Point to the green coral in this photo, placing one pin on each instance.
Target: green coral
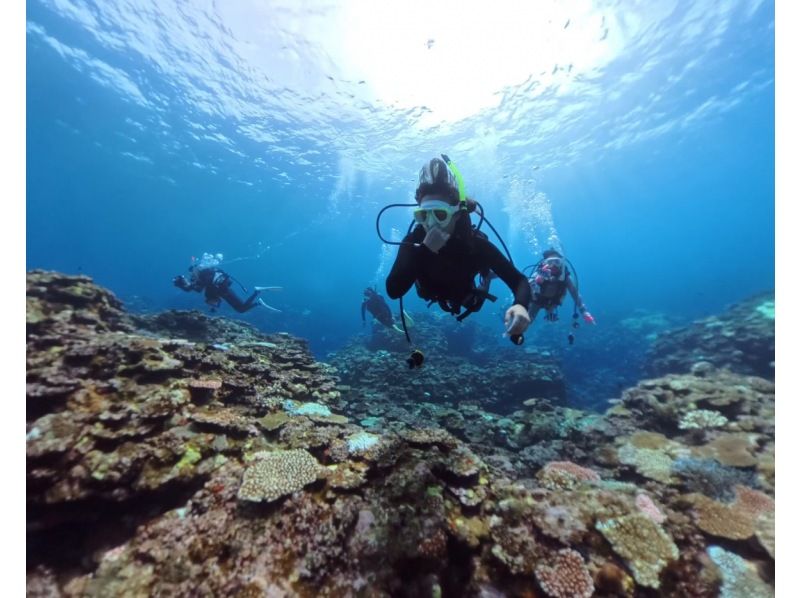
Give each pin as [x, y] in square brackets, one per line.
[190, 456]
[642, 543]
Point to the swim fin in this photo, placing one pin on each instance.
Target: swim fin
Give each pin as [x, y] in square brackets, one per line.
[267, 288]
[269, 307]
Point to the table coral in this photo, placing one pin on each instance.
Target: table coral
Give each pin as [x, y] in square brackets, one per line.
[273, 474]
[722, 520]
[646, 548]
[734, 449]
[565, 475]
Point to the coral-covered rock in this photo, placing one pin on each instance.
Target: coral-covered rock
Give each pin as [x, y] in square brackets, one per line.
[182, 455]
[741, 340]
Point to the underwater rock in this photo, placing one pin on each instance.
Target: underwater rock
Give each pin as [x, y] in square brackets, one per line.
[742, 340]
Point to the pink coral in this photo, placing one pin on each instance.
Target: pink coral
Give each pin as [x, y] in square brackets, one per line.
[752, 501]
[646, 506]
[565, 576]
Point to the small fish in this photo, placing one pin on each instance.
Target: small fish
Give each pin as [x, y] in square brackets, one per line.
[430, 43]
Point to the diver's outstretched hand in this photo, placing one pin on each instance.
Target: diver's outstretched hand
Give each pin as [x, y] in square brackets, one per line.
[517, 320]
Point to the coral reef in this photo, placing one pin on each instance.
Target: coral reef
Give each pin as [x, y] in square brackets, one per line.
[741, 340]
[513, 380]
[181, 455]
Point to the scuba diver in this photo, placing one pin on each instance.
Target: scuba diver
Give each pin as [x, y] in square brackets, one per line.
[444, 253]
[375, 304]
[206, 276]
[549, 283]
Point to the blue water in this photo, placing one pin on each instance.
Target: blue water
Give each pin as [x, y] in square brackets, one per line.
[155, 134]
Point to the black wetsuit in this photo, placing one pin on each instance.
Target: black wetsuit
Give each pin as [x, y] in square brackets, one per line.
[217, 286]
[449, 276]
[375, 304]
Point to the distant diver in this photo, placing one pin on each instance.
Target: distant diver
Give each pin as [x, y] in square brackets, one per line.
[444, 253]
[549, 282]
[216, 283]
[375, 304]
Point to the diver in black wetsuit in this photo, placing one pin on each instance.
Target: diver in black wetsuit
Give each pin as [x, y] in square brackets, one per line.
[443, 254]
[375, 304]
[205, 276]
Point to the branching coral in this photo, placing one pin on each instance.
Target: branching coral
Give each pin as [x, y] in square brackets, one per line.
[708, 477]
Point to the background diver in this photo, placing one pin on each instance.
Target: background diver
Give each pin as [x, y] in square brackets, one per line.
[375, 304]
[443, 254]
[216, 283]
[550, 280]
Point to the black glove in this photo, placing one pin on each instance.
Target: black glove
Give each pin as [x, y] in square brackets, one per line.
[179, 281]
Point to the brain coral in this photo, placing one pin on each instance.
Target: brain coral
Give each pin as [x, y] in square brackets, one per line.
[642, 543]
[273, 474]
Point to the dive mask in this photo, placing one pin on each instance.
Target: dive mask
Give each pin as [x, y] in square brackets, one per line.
[434, 212]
